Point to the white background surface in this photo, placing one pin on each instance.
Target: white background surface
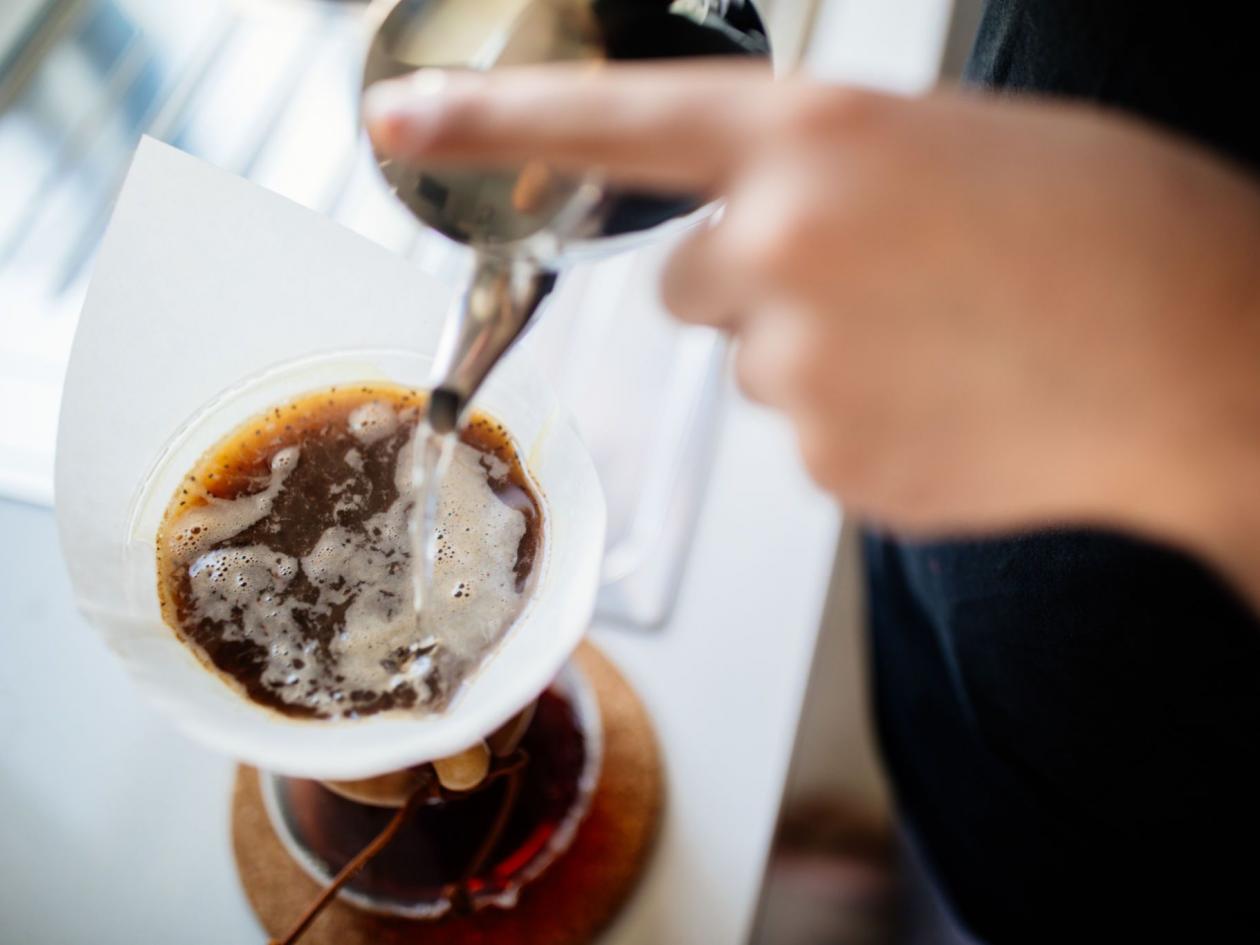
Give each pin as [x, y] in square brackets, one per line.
[116, 828]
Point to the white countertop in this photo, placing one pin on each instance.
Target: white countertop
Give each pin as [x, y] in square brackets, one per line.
[725, 679]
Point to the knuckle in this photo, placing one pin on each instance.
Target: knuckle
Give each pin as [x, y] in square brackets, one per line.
[824, 460]
[816, 110]
[678, 281]
[748, 371]
[674, 296]
[788, 230]
[837, 457]
[771, 245]
[772, 356]
[811, 369]
[691, 287]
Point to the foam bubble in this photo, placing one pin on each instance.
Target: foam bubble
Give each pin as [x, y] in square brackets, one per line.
[220, 519]
[373, 421]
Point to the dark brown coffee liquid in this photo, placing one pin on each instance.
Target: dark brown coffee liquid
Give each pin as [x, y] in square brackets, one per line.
[281, 561]
[439, 846]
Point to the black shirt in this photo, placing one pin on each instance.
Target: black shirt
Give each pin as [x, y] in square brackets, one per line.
[1071, 720]
[1193, 69]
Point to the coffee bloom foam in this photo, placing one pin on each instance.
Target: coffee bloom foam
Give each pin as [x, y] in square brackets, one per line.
[361, 580]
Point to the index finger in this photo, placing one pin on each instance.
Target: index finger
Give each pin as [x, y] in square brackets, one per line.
[677, 126]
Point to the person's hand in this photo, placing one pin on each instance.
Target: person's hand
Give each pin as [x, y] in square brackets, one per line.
[977, 312]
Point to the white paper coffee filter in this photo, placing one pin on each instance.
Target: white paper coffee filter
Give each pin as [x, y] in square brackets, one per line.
[211, 300]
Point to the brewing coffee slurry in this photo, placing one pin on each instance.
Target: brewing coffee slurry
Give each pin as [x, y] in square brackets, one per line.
[284, 559]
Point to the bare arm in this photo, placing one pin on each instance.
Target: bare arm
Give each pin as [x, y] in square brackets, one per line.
[978, 313]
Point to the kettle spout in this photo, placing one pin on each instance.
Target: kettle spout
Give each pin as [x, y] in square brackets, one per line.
[500, 303]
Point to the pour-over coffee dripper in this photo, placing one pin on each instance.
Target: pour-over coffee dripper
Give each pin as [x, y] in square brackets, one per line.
[526, 225]
[212, 301]
[523, 663]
